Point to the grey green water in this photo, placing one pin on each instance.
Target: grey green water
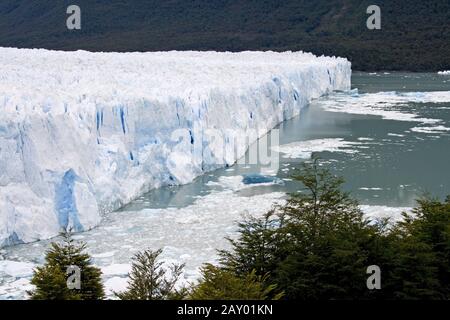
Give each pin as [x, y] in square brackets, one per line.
[390, 141]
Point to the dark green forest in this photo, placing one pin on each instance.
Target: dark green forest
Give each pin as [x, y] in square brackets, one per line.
[415, 34]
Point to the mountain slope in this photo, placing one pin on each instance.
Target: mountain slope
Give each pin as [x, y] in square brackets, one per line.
[415, 34]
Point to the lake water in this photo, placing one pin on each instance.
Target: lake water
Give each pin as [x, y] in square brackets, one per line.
[389, 138]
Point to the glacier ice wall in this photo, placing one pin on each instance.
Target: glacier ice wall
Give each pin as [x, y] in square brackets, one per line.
[82, 134]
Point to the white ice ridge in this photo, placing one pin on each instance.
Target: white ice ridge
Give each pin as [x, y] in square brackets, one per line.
[83, 133]
[444, 73]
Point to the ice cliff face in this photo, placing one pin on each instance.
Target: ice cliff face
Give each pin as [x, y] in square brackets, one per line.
[83, 133]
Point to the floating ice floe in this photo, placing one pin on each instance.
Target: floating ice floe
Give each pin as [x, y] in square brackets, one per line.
[115, 284]
[247, 181]
[305, 149]
[365, 139]
[431, 130]
[380, 212]
[16, 289]
[396, 135]
[260, 179]
[103, 255]
[444, 73]
[116, 269]
[384, 104]
[16, 269]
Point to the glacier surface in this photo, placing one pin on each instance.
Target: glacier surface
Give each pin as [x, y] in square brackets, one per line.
[82, 134]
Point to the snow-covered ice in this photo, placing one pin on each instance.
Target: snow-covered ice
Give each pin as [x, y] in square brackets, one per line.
[116, 269]
[16, 269]
[382, 212]
[237, 183]
[387, 105]
[396, 135]
[444, 73]
[431, 129]
[15, 290]
[305, 149]
[82, 134]
[115, 284]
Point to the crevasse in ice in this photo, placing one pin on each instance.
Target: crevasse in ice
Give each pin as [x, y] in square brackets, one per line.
[82, 134]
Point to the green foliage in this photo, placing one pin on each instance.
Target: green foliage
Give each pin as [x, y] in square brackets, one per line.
[259, 248]
[419, 247]
[318, 246]
[51, 279]
[149, 280]
[221, 284]
[328, 239]
[432, 227]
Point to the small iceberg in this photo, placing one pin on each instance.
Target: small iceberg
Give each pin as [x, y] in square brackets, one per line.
[256, 178]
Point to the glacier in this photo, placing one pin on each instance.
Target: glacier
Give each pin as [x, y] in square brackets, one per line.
[82, 133]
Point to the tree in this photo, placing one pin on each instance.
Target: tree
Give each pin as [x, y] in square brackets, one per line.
[314, 247]
[419, 267]
[432, 226]
[328, 239]
[51, 279]
[221, 284]
[149, 280]
[259, 248]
